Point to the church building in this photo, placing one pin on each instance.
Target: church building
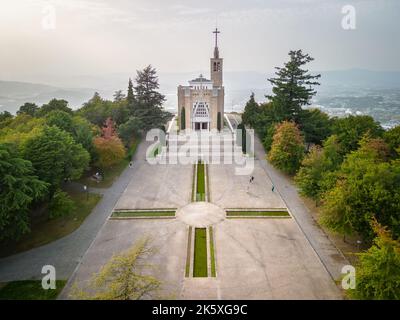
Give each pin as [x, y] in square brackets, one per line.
[201, 103]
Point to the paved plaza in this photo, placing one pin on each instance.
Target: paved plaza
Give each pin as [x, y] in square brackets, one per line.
[256, 258]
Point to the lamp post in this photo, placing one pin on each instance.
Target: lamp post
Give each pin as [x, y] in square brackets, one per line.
[86, 189]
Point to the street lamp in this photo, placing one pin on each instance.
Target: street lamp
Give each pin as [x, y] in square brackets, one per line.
[86, 189]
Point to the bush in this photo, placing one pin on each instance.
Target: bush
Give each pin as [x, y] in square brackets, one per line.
[60, 205]
[378, 270]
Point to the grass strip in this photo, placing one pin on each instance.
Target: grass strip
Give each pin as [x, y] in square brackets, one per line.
[30, 290]
[189, 246]
[200, 253]
[193, 184]
[257, 213]
[127, 214]
[200, 190]
[213, 272]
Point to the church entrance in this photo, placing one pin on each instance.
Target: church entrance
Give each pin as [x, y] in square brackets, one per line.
[201, 116]
[200, 126]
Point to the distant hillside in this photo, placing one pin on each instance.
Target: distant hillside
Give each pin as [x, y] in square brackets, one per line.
[14, 94]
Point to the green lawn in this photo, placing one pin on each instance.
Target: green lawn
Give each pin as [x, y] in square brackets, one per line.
[201, 189]
[189, 247]
[257, 213]
[200, 253]
[30, 290]
[44, 231]
[210, 231]
[127, 214]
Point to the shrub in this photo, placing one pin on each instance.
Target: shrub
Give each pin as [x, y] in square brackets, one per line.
[60, 205]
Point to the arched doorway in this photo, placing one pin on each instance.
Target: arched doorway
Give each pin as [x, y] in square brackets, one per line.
[201, 116]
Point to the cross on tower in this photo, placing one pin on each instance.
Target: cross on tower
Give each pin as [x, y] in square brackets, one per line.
[216, 36]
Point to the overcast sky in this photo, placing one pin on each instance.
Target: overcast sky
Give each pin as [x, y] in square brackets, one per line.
[93, 37]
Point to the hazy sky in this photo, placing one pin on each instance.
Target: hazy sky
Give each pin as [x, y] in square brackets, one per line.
[110, 36]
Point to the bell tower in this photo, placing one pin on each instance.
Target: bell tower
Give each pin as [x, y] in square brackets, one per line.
[216, 63]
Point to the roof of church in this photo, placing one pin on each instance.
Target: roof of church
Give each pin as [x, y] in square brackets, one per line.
[200, 79]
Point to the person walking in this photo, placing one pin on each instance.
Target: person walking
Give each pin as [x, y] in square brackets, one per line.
[250, 182]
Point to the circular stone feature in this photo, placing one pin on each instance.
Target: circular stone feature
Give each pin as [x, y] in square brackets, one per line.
[200, 214]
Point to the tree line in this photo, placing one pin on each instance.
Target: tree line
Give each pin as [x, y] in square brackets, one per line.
[43, 147]
[350, 166]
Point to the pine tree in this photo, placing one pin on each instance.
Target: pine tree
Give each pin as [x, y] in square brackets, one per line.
[251, 112]
[292, 88]
[148, 101]
[130, 98]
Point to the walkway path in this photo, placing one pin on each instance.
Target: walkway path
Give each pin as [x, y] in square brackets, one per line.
[330, 256]
[64, 254]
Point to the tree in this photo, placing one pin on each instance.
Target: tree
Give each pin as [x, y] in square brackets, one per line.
[121, 278]
[392, 138]
[109, 151]
[130, 98]
[378, 270]
[317, 172]
[119, 96]
[268, 138]
[96, 110]
[61, 119]
[251, 112]
[316, 126]
[28, 108]
[5, 118]
[292, 88]
[183, 119]
[55, 156]
[60, 205]
[367, 186]
[148, 101]
[351, 129]
[79, 128]
[287, 148]
[54, 104]
[19, 188]
[128, 130]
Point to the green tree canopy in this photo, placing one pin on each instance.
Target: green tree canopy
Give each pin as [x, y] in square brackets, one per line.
[54, 104]
[96, 110]
[287, 148]
[251, 112]
[316, 125]
[378, 270]
[367, 187]
[28, 108]
[392, 138]
[55, 156]
[317, 172]
[19, 187]
[129, 129]
[351, 129]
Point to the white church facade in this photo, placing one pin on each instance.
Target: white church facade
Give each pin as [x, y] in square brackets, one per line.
[201, 103]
